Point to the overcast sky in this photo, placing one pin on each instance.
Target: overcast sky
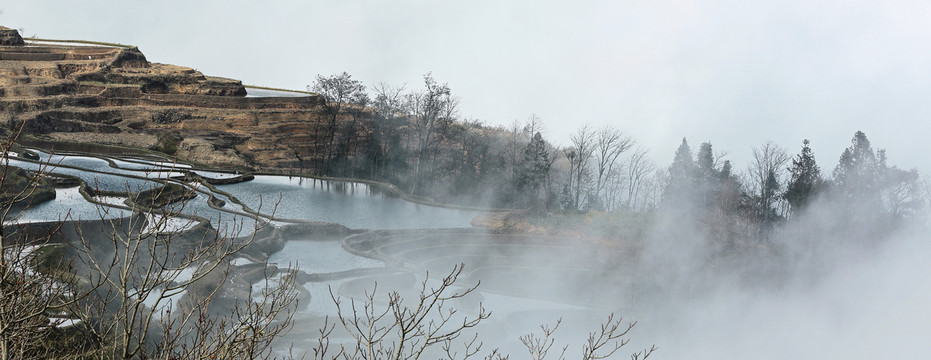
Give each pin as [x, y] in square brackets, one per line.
[734, 73]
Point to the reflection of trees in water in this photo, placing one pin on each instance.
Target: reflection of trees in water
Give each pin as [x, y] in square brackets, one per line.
[509, 253]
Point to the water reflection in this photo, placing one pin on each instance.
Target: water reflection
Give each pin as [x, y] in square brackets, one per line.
[97, 181]
[68, 205]
[354, 205]
[320, 256]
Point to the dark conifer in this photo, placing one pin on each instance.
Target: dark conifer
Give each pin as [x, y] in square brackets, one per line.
[681, 174]
[534, 171]
[805, 179]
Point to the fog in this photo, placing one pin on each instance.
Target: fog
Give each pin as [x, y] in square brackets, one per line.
[820, 286]
[731, 73]
[809, 292]
[828, 298]
[874, 308]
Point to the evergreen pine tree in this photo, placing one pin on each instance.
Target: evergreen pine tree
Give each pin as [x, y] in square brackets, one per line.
[681, 177]
[705, 160]
[706, 176]
[856, 174]
[805, 179]
[858, 187]
[534, 171]
[729, 191]
[770, 192]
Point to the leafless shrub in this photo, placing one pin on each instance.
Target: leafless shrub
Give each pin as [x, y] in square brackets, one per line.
[539, 346]
[401, 331]
[36, 287]
[247, 332]
[398, 331]
[601, 344]
[160, 286]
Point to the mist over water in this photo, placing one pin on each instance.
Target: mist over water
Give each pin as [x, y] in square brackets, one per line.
[809, 291]
[830, 282]
[817, 297]
[827, 283]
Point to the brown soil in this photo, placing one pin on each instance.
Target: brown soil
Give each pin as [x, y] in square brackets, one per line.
[114, 96]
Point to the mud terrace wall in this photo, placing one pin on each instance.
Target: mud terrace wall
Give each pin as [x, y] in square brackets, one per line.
[110, 94]
[10, 37]
[220, 102]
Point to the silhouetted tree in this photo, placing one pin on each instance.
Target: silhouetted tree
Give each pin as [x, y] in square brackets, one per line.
[383, 145]
[610, 143]
[639, 168]
[728, 203]
[534, 171]
[350, 137]
[578, 154]
[903, 193]
[338, 90]
[432, 111]
[681, 178]
[765, 169]
[467, 165]
[805, 179]
[855, 177]
[706, 176]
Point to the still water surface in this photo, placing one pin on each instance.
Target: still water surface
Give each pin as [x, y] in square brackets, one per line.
[353, 205]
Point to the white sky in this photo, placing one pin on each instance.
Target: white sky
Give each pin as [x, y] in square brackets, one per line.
[734, 73]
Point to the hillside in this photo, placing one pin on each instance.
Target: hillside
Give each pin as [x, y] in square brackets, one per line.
[72, 93]
[99, 97]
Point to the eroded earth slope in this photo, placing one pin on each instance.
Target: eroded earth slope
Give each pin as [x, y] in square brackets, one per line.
[74, 94]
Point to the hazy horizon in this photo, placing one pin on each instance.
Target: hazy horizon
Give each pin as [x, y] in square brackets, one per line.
[735, 75]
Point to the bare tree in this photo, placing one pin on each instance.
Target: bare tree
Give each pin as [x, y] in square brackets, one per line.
[28, 298]
[903, 193]
[338, 90]
[539, 346]
[610, 143]
[389, 100]
[609, 339]
[768, 158]
[601, 344]
[122, 289]
[160, 273]
[248, 331]
[35, 283]
[432, 111]
[512, 149]
[403, 331]
[578, 154]
[385, 145]
[533, 125]
[430, 329]
[639, 167]
[765, 174]
[654, 187]
[614, 190]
